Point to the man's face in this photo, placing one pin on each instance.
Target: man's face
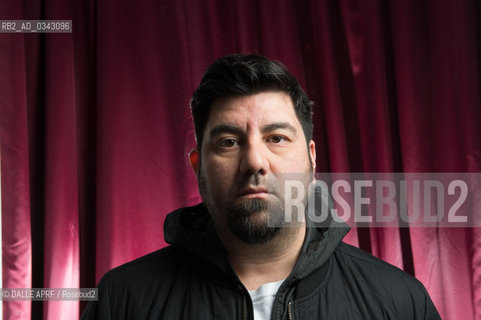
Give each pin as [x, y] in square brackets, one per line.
[248, 141]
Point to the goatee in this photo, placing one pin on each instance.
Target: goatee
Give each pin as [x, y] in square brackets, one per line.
[253, 221]
[254, 230]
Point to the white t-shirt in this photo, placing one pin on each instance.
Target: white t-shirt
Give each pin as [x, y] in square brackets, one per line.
[263, 299]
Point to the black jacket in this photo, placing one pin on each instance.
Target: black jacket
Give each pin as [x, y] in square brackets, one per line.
[192, 279]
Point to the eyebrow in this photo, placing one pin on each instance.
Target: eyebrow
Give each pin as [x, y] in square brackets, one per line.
[233, 129]
[225, 128]
[279, 125]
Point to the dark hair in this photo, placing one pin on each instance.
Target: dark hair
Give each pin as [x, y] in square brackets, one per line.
[237, 75]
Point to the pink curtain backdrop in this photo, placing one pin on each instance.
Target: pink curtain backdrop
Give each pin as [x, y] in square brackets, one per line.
[95, 126]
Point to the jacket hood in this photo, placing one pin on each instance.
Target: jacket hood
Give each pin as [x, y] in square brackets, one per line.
[192, 229]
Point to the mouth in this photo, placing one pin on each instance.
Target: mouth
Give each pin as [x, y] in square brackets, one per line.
[251, 193]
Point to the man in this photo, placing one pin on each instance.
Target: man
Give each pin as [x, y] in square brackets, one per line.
[236, 256]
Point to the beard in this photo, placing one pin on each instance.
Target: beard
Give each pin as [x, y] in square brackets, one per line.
[253, 221]
[250, 220]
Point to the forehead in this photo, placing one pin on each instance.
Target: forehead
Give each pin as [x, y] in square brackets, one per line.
[251, 110]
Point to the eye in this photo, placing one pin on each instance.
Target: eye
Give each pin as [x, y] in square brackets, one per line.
[277, 139]
[227, 143]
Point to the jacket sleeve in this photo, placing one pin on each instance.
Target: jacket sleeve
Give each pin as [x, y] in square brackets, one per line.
[99, 309]
[430, 310]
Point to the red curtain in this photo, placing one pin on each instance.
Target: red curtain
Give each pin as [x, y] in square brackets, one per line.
[95, 125]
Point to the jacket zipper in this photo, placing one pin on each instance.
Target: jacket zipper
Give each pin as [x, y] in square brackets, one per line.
[289, 310]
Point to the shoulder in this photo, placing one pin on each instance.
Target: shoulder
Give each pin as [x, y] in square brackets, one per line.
[146, 280]
[146, 263]
[149, 270]
[371, 268]
[383, 283]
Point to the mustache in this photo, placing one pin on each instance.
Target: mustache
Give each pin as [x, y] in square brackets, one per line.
[257, 182]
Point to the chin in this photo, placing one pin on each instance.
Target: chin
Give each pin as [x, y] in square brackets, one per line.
[259, 217]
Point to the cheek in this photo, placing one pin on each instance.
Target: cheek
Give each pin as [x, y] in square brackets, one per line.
[296, 160]
[217, 174]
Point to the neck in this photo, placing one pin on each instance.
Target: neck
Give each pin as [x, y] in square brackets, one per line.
[272, 261]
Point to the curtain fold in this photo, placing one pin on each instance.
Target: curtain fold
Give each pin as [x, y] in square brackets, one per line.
[95, 126]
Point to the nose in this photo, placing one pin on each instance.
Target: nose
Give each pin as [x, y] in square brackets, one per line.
[254, 159]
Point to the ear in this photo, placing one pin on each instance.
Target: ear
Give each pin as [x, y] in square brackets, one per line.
[194, 159]
[312, 153]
